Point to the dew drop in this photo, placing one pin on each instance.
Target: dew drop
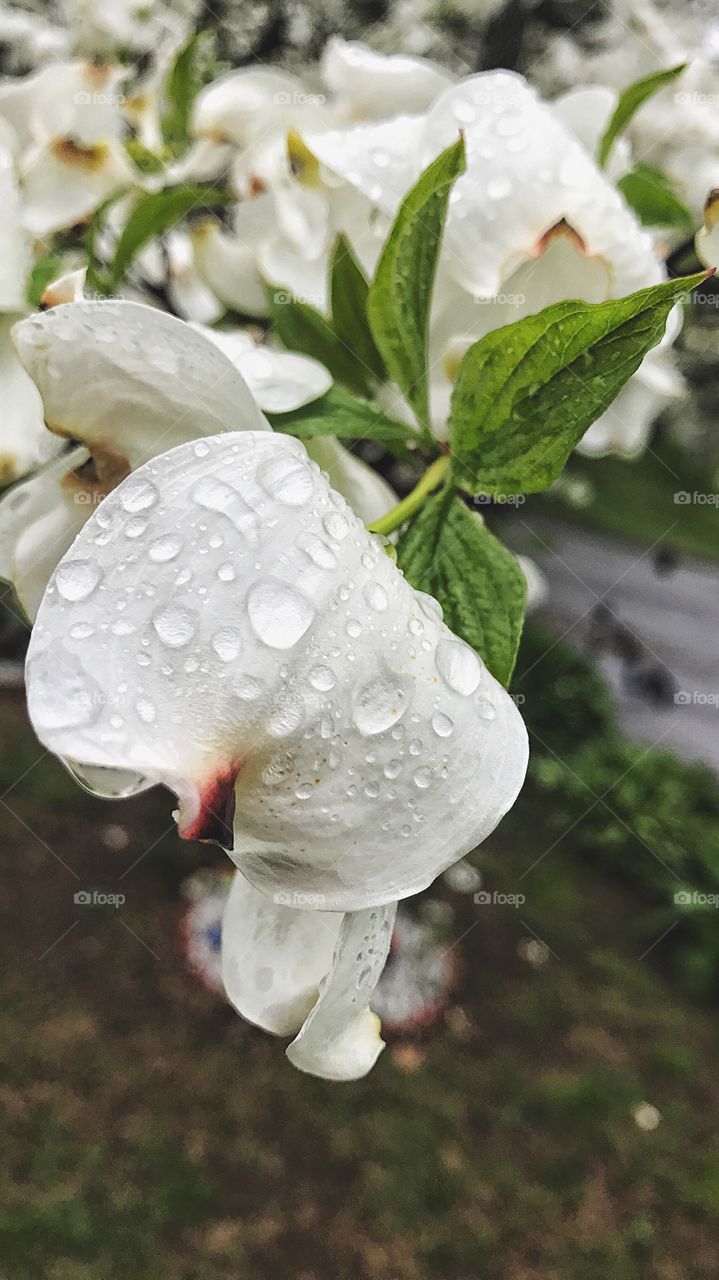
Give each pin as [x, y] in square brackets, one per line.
[226, 573]
[322, 679]
[76, 579]
[287, 479]
[335, 525]
[279, 614]
[146, 710]
[175, 626]
[164, 549]
[442, 725]
[379, 705]
[458, 666]
[227, 643]
[137, 494]
[376, 596]
[422, 778]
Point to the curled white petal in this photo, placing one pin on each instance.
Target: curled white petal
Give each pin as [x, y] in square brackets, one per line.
[367, 85]
[274, 659]
[24, 441]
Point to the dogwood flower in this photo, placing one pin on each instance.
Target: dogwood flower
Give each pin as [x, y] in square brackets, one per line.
[532, 221]
[707, 238]
[125, 382]
[225, 624]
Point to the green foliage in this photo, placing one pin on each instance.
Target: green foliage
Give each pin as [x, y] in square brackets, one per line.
[448, 551]
[152, 217]
[301, 328]
[401, 291]
[526, 393]
[44, 271]
[651, 197]
[339, 413]
[630, 102]
[192, 68]
[349, 291]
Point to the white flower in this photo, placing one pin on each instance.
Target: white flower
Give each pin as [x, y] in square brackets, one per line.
[707, 238]
[225, 624]
[531, 222]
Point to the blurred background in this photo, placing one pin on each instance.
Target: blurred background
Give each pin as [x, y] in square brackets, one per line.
[546, 1108]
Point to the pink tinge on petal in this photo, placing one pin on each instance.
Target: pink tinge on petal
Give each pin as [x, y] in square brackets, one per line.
[212, 819]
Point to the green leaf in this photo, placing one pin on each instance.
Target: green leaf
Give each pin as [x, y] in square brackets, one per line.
[45, 270]
[190, 71]
[630, 102]
[652, 199]
[349, 291]
[449, 552]
[526, 393]
[301, 328]
[338, 413]
[98, 277]
[153, 216]
[401, 291]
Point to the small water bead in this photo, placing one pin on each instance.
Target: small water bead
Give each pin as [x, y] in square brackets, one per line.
[376, 596]
[287, 479]
[322, 679]
[486, 709]
[422, 778]
[458, 666]
[201, 449]
[335, 525]
[416, 747]
[317, 551]
[227, 643]
[77, 579]
[216, 495]
[146, 710]
[353, 628]
[135, 527]
[165, 548]
[137, 494]
[123, 627]
[372, 790]
[143, 659]
[183, 577]
[279, 614]
[393, 769]
[430, 607]
[174, 625]
[442, 724]
[81, 630]
[304, 791]
[226, 573]
[284, 720]
[190, 666]
[405, 831]
[216, 541]
[414, 626]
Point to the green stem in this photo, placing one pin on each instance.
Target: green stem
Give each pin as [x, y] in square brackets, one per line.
[430, 481]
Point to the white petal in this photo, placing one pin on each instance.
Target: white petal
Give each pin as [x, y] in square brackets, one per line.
[369, 85]
[228, 263]
[25, 443]
[15, 250]
[585, 112]
[39, 521]
[537, 588]
[79, 100]
[243, 104]
[380, 160]
[63, 183]
[131, 380]
[274, 957]
[367, 493]
[279, 661]
[341, 1038]
[67, 288]
[525, 175]
[280, 381]
[191, 298]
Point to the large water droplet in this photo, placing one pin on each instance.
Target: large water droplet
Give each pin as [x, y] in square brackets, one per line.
[458, 666]
[165, 548]
[442, 724]
[175, 625]
[322, 679]
[215, 495]
[288, 480]
[138, 494]
[279, 614]
[61, 693]
[335, 525]
[379, 705]
[76, 579]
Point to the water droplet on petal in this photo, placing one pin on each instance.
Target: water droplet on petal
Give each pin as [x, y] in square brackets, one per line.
[76, 579]
[138, 494]
[288, 480]
[422, 778]
[322, 679]
[442, 725]
[146, 710]
[376, 596]
[335, 525]
[227, 643]
[379, 705]
[226, 573]
[458, 666]
[174, 625]
[165, 548]
[279, 614]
